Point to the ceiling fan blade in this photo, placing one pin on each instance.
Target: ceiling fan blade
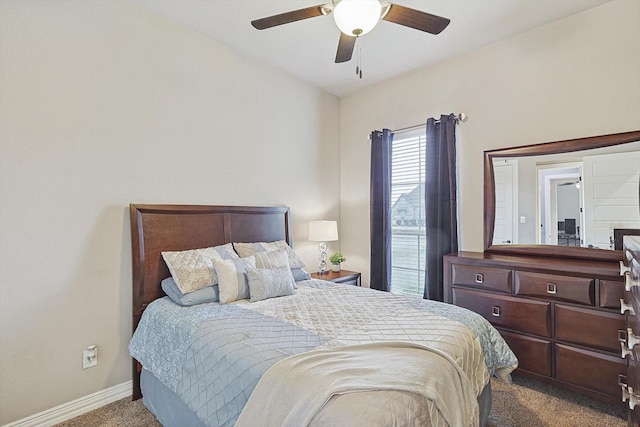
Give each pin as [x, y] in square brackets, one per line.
[345, 48]
[416, 19]
[288, 17]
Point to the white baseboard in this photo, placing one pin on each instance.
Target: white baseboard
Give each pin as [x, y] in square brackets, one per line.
[77, 407]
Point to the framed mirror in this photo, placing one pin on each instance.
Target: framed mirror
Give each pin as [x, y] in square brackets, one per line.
[563, 198]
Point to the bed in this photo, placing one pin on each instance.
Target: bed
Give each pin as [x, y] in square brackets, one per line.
[321, 354]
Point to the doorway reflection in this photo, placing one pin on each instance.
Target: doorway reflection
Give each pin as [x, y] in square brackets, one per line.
[560, 203]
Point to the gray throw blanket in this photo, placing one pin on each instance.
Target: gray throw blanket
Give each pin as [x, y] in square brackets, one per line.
[295, 389]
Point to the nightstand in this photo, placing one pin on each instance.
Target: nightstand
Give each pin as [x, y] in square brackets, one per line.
[345, 277]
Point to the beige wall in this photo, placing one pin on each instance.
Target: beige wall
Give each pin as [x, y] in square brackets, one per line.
[573, 78]
[104, 104]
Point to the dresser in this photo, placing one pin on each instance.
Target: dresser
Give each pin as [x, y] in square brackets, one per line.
[630, 336]
[561, 317]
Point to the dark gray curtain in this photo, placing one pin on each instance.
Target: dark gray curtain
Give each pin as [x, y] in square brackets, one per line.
[440, 201]
[380, 210]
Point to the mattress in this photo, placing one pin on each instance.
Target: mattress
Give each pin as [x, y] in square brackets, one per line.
[212, 356]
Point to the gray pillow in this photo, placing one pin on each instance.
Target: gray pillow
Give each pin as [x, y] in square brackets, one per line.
[267, 283]
[201, 296]
[299, 274]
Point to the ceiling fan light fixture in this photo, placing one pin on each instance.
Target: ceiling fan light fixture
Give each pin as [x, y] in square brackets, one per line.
[357, 17]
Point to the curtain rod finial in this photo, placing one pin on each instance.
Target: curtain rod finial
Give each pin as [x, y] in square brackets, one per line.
[462, 117]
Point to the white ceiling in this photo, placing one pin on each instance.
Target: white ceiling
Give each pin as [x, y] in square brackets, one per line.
[306, 49]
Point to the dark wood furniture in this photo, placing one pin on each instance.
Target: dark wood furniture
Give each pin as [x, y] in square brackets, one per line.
[158, 228]
[343, 276]
[630, 336]
[556, 306]
[559, 316]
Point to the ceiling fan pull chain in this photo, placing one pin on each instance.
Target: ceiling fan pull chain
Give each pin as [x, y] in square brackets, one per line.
[358, 59]
[359, 66]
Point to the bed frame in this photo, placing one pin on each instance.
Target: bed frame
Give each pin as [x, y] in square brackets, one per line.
[158, 228]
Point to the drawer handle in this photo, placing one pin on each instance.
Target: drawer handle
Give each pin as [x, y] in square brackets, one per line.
[625, 392]
[495, 311]
[627, 341]
[624, 350]
[622, 335]
[623, 268]
[552, 288]
[634, 399]
[479, 278]
[622, 380]
[632, 339]
[629, 282]
[626, 307]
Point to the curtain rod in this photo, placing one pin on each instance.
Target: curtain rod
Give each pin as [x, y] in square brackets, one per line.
[460, 117]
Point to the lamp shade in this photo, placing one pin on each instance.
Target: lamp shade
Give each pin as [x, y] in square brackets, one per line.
[323, 231]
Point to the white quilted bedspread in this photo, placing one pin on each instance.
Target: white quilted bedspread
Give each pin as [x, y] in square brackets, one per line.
[350, 316]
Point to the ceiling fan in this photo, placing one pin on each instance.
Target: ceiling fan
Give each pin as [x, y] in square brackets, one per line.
[355, 18]
[576, 183]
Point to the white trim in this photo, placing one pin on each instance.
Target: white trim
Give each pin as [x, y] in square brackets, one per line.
[77, 407]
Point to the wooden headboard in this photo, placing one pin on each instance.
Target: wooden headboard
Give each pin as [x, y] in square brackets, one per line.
[158, 228]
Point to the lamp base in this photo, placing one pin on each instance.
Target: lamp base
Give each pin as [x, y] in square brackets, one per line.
[322, 266]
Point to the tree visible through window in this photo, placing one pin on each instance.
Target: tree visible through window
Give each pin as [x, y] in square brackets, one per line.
[408, 241]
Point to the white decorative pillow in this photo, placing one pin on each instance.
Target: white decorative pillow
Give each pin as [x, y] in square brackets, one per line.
[232, 274]
[193, 269]
[271, 259]
[247, 249]
[267, 283]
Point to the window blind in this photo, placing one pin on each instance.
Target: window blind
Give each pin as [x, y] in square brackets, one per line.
[408, 241]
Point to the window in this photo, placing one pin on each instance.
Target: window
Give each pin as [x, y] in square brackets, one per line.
[408, 241]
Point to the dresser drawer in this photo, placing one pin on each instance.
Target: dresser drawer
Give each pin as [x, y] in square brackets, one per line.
[587, 327]
[533, 354]
[610, 294]
[519, 314]
[564, 288]
[589, 369]
[497, 279]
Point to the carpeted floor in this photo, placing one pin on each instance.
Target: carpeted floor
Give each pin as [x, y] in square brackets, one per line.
[525, 403]
[529, 403]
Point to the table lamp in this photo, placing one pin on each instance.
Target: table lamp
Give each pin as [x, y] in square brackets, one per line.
[323, 231]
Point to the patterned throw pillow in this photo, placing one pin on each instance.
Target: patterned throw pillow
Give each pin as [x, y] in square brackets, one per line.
[267, 283]
[193, 269]
[232, 274]
[247, 249]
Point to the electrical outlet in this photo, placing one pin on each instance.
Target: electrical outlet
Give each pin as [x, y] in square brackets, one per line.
[522, 220]
[90, 357]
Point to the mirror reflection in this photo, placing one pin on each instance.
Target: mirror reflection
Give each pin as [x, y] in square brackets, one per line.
[570, 199]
